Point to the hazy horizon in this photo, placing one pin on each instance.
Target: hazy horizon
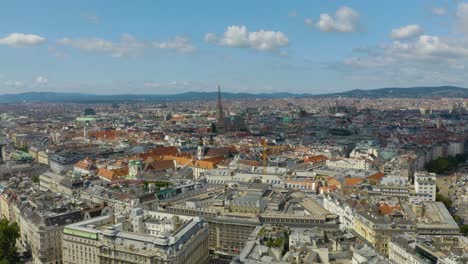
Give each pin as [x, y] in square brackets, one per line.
[213, 91]
[150, 47]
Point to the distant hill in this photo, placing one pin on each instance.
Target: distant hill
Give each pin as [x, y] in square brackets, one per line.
[413, 92]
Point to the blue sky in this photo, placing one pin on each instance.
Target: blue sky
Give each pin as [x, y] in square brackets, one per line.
[150, 46]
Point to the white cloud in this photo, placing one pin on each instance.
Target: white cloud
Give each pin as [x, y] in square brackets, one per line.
[178, 43]
[309, 22]
[211, 38]
[127, 45]
[462, 17]
[432, 47]
[14, 84]
[22, 40]
[346, 20]
[40, 80]
[152, 85]
[424, 59]
[240, 37]
[91, 18]
[179, 83]
[292, 13]
[424, 49]
[439, 11]
[406, 32]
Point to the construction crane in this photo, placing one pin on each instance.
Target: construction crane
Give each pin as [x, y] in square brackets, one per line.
[265, 147]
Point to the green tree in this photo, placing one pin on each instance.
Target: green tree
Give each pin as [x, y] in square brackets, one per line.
[441, 165]
[460, 158]
[458, 219]
[24, 149]
[35, 179]
[464, 230]
[89, 111]
[447, 202]
[9, 233]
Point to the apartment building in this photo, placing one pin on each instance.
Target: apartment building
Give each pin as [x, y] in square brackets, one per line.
[140, 237]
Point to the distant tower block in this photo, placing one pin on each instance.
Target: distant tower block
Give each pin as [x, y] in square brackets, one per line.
[219, 111]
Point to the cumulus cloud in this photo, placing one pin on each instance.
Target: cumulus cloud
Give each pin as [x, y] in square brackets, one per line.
[406, 32]
[40, 80]
[425, 58]
[126, 46]
[427, 46]
[439, 11]
[241, 37]
[462, 17]
[22, 40]
[346, 20]
[178, 43]
[424, 49]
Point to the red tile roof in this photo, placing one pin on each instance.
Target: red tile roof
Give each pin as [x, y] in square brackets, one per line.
[352, 181]
[112, 174]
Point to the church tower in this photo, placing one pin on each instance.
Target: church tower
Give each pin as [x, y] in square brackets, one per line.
[219, 111]
[200, 149]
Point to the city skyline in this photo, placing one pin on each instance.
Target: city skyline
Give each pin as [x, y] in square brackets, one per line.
[167, 48]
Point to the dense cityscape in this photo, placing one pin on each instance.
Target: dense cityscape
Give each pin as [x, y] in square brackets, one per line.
[289, 180]
[234, 132]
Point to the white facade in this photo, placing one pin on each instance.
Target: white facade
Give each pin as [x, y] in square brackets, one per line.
[398, 254]
[358, 164]
[335, 205]
[274, 180]
[425, 183]
[143, 237]
[394, 180]
[43, 241]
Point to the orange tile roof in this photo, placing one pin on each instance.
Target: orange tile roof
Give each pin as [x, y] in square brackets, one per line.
[112, 174]
[161, 165]
[180, 160]
[84, 165]
[377, 176]
[158, 153]
[352, 181]
[386, 209]
[161, 151]
[204, 164]
[315, 159]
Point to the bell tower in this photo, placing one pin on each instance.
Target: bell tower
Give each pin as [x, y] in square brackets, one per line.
[200, 149]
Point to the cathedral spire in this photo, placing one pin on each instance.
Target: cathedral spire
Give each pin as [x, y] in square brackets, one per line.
[219, 110]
